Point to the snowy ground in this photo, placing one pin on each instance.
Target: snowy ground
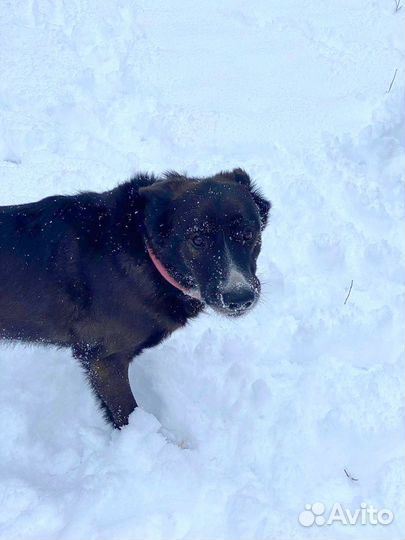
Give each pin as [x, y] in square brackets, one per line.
[242, 423]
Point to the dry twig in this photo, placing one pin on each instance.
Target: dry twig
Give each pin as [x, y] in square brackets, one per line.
[350, 476]
[392, 82]
[348, 294]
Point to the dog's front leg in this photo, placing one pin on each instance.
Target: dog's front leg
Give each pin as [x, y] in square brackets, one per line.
[109, 379]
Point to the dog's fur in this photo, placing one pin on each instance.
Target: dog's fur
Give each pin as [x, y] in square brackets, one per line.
[76, 271]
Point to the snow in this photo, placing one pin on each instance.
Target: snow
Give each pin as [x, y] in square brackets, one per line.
[242, 422]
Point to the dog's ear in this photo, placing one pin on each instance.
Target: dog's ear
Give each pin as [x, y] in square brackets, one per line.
[263, 205]
[162, 193]
[157, 201]
[241, 177]
[156, 194]
[238, 175]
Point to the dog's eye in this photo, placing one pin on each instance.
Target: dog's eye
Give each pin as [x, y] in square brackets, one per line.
[198, 240]
[247, 235]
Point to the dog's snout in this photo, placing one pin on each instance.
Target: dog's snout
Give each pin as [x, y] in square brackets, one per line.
[238, 299]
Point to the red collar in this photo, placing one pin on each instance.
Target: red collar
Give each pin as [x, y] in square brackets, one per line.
[164, 273]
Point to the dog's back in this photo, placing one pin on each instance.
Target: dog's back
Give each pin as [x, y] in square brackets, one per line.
[32, 239]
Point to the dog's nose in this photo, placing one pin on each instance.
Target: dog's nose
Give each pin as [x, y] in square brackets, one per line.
[238, 299]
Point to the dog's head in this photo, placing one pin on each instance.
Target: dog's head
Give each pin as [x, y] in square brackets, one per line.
[206, 234]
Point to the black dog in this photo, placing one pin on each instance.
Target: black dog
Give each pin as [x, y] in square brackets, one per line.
[110, 274]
